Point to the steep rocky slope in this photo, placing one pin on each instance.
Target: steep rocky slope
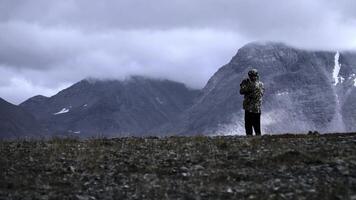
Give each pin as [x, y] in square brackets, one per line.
[305, 90]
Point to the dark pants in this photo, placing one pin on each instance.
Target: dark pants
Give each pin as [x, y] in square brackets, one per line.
[252, 120]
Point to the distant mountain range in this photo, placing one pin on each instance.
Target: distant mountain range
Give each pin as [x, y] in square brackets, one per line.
[132, 107]
[305, 90]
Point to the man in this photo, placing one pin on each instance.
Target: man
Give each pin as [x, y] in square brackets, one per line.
[253, 90]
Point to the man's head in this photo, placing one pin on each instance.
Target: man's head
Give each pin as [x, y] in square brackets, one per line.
[253, 74]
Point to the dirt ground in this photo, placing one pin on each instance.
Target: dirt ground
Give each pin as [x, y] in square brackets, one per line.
[226, 167]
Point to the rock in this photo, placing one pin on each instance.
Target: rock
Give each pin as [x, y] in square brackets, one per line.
[71, 169]
[313, 133]
[198, 167]
[229, 190]
[85, 197]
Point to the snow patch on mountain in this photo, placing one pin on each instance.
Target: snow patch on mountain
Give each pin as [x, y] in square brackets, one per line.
[64, 110]
[159, 100]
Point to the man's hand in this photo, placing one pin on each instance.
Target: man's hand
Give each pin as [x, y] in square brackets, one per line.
[245, 82]
[244, 89]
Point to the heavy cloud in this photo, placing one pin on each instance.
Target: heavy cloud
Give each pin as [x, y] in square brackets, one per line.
[46, 45]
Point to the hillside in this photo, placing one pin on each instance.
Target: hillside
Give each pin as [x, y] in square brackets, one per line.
[94, 107]
[16, 122]
[267, 167]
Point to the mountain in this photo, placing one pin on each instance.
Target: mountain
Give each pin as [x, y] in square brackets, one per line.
[16, 122]
[305, 90]
[91, 107]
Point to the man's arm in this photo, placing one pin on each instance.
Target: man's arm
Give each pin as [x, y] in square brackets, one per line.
[244, 89]
[262, 88]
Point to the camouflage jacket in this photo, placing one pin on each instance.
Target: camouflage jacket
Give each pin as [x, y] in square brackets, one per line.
[253, 92]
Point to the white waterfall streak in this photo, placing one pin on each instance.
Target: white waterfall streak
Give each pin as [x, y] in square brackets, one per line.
[337, 124]
[336, 68]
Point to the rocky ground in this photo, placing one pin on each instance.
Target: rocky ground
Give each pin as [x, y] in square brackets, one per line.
[267, 167]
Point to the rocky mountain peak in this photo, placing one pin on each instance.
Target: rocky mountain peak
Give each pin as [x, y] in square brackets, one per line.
[300, 92]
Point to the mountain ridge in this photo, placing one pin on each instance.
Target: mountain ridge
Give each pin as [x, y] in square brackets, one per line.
[305, 90]
[112, 107]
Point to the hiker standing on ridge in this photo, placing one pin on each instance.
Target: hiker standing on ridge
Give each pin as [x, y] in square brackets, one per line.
[253, 90]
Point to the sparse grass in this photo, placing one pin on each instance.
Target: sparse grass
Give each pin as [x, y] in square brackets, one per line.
[267, 167]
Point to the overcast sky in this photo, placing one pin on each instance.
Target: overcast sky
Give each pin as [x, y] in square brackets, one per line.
[47, 45]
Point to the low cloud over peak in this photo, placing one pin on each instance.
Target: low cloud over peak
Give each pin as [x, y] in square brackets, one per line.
[47, 45]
